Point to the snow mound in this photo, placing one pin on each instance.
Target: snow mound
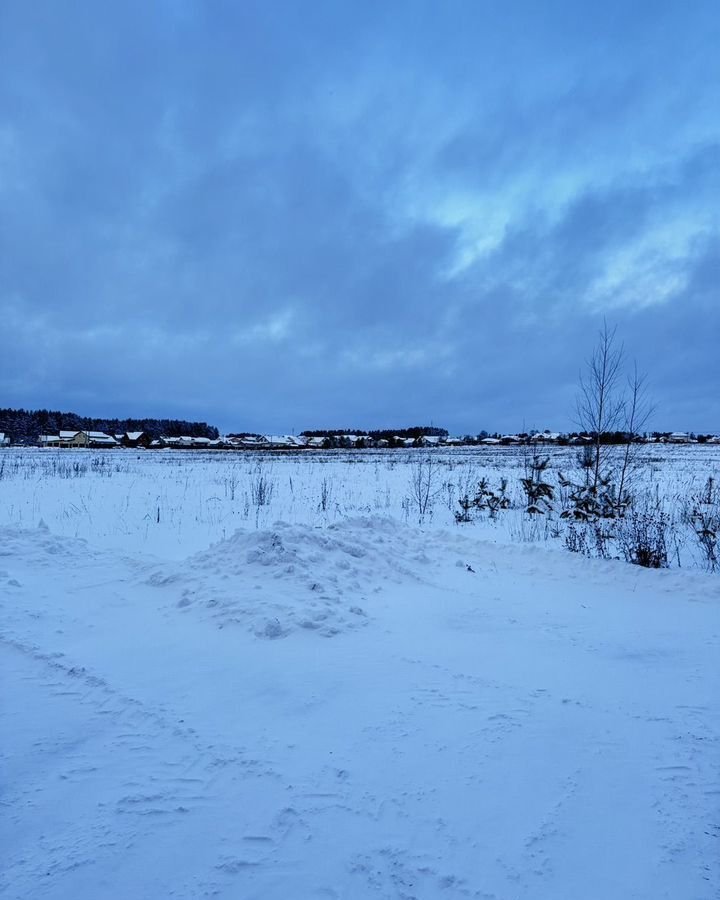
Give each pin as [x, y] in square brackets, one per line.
[41, 547]
[276, 581]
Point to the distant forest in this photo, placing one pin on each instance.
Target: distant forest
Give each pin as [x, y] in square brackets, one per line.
[23, 426]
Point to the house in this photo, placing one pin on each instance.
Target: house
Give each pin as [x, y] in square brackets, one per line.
[134, 439]
[246, 442]
[284, 441]
[549, 437]
[679, 437]
[85, 439]
[4, 439]
[50, 440]
[97, 439]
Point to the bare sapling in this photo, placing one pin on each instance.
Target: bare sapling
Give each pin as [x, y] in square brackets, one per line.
[424, 477]
[638, 410]
[599, 406]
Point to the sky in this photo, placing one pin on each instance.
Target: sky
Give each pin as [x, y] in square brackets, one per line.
[273, 216]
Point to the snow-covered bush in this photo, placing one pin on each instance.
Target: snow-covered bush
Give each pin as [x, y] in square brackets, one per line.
[643, 538]
[539, 493]
[484, 499]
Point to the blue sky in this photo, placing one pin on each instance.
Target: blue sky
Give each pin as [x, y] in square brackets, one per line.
[277, 216]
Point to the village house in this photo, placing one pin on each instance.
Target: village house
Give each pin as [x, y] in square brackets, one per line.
[134, 439]
[546, 437]
[77, 439]
[284, 442]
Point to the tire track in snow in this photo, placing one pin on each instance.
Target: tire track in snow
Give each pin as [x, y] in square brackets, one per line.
[108, 776]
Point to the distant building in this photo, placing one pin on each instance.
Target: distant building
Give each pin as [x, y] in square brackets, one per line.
[549, 437]
[134, 439]
[284, 441]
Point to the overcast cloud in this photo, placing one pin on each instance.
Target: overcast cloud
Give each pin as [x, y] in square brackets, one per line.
[277, 216]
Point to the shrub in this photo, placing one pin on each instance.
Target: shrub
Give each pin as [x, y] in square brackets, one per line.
[704, 517]
[539, 493]
[485, 499]
[642, 537]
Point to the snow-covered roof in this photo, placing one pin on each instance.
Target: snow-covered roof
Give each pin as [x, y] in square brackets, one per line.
[133, 435]
[247, 441]
[68, 435]
[546, 436]
[284, 440]
[96, 437]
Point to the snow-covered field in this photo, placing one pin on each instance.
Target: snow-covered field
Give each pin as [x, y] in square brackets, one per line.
[327, 695]
[175, 502]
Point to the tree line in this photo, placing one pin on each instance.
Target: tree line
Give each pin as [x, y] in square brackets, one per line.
[23, 426]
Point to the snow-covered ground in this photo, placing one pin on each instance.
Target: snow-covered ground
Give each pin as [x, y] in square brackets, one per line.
[176, 502]
[345, 705]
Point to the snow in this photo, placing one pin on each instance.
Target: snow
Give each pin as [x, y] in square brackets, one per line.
[352, 707]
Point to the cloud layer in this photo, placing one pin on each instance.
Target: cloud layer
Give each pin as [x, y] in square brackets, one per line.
[279, 215]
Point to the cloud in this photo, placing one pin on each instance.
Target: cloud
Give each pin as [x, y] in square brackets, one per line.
[271, 215]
